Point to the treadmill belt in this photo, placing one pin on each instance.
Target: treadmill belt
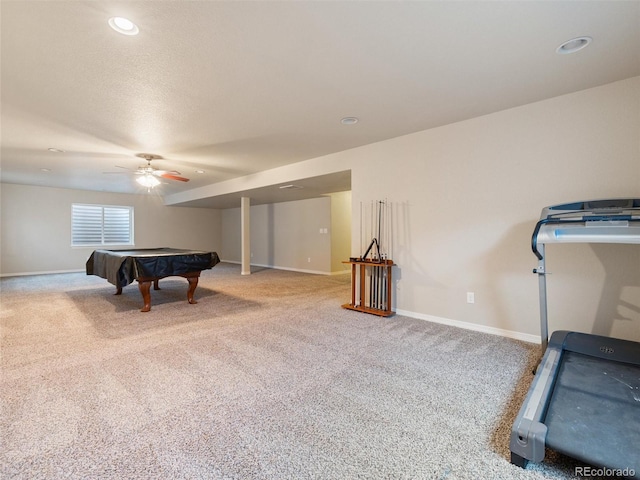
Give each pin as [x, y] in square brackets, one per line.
[594, 412]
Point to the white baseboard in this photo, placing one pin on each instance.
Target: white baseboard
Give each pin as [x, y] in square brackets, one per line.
[525, 337]
[341, 272]
[49, 272]
[315, 272]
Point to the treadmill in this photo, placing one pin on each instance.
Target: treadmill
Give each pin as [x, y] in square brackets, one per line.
[584, 401]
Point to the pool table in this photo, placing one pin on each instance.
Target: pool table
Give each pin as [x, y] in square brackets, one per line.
[149, 265]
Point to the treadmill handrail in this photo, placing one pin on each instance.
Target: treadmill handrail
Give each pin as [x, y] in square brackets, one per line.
[584, 221]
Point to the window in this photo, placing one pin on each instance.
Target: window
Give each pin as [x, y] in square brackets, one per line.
[101, 225]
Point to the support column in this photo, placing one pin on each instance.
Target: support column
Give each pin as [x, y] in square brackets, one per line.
[245, 220]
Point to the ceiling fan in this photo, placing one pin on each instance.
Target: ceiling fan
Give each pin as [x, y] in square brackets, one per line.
[147, 173]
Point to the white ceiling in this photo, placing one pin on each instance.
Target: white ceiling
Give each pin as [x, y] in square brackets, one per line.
[234, 87]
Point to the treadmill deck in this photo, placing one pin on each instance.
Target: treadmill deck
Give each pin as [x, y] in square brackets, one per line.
[594, 412]
[584, 402]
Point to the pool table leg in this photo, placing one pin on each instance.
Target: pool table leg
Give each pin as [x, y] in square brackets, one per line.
[144, 287]
[193, 283]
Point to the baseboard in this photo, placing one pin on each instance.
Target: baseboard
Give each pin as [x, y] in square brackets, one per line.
[49, 272]
[341, 272]
[525, 337]
[315, 272]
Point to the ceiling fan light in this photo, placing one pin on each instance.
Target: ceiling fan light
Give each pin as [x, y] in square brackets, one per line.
[148, 181]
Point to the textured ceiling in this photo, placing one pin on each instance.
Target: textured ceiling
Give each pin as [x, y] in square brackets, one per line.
[234, 88]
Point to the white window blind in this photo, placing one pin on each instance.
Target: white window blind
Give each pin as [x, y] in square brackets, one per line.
[101, 225]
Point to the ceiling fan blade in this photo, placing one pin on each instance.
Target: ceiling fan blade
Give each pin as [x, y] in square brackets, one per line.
[174, 177]
[127, 171]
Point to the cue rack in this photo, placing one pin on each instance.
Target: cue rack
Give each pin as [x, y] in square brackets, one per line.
[371, 282]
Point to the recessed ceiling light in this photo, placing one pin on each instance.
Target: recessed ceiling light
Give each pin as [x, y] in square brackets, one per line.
[55, 150]
[573, 45]
[123, 25]
[349, 120]
[199, 171]
[45, 170]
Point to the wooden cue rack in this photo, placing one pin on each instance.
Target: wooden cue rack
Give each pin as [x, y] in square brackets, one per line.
[371, 286]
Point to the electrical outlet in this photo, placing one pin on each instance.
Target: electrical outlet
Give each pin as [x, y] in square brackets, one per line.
[309, 259]
[471, 297]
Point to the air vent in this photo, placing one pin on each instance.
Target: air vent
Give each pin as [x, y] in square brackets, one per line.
[290, 187]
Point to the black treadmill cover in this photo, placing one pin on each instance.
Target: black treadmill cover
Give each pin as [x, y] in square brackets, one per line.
[122, 267]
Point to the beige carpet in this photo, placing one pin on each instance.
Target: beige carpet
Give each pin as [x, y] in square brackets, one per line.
[265, 378]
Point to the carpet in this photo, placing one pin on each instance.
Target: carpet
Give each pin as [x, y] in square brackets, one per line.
[266, 377]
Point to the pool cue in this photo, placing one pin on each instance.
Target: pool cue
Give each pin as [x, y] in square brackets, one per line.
[370, 287]
[375, 298]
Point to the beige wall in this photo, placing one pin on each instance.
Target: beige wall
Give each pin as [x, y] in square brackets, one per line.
[36, 227]
[283, 235]
[466, 198]
[231, 250]
[340, 231]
